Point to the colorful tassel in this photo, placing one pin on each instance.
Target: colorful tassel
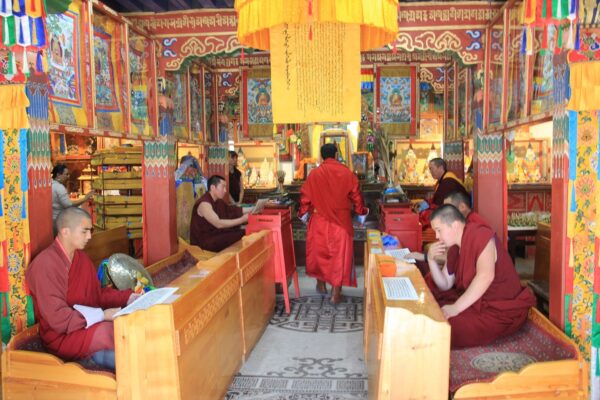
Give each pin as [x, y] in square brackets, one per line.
[570, 36]
[524, 41]
[559, 40]
[545, 37]
[310, 32]
[577, 45]
[38, 63]
[8, 34]
[25, 65]
[242, 56]
[9, 68]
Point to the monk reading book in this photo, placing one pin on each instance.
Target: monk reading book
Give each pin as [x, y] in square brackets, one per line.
[74, 312]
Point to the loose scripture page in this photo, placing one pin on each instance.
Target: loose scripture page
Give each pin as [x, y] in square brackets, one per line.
[156, 296]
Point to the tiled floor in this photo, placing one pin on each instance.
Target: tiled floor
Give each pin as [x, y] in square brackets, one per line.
[315, 352]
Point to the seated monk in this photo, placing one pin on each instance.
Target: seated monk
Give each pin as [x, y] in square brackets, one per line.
[75, 314]
[446, 183]
[215, 224]
[480, 292]
[462, 201]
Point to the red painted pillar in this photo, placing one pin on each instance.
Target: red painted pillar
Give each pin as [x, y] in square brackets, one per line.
[39, 166]
[159, 199]
[490, 177]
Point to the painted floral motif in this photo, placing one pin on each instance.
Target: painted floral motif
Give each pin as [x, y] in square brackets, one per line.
[583, 218]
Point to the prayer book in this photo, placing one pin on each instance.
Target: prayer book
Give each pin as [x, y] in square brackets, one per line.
[147, 300]
[400, 254]
[399, 288]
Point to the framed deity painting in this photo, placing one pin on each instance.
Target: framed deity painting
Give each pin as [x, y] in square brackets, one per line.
[396, 100]
[68, 79]
[110, 80]
[142, 83]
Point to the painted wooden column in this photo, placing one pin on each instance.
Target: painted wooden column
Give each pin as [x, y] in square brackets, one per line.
[490, 190]
[159, 197]
[560, 172]
[39, 164]
[454, 157]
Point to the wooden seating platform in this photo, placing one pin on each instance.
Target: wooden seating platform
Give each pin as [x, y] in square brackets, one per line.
[169, 351]
[406, 343]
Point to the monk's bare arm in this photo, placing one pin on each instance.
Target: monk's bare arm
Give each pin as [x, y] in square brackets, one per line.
[442, 279]
[205, 210]
[484, 276]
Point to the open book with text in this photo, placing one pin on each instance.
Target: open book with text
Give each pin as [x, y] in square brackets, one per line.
[147, 300]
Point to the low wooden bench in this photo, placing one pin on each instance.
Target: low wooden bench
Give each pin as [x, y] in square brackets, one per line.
[407, 343]
[188, 349]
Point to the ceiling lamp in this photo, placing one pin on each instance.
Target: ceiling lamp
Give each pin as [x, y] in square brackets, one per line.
[315, 50]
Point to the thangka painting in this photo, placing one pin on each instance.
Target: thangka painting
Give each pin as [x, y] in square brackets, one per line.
[476, 82]
[139, 80]
[177, 87]
[68, 89]
[210, 111]
[109, 70]
[450, 131]
[462, 103]
[396, 100]
[495, 75]
[543, 71]
[367, 87]
[258, 105]
[196, 103]
[516, 70]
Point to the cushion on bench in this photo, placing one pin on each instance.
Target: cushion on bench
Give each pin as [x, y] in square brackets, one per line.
[529, 345]
[34, 343]
[171, 272]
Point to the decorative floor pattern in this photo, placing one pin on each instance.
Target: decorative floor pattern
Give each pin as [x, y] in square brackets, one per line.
[316, 313]
[311, 378]
[314, 353]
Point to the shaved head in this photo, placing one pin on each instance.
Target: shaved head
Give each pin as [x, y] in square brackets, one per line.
[71, 217]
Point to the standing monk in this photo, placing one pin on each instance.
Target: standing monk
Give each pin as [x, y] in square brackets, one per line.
[74, 312]
[480, 294]
[328, 195]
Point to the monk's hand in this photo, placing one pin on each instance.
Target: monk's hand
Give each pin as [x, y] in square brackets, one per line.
[133, 297]
[449, 311]
[436, 249]
[109, 313]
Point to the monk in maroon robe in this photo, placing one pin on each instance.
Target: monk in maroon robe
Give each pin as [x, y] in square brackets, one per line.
[328, 196]
[74, 312]
[447, 183]
[215, 225]
[480, 293]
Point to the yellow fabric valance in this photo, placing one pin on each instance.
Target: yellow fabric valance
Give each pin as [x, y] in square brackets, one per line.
[378, 19]
[13, 113]
[585, 86]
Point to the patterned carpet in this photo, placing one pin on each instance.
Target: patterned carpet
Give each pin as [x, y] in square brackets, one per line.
[315, 352]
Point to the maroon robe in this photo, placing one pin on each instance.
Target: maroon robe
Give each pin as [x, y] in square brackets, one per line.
[504, 306]
[57, 284]
[447, 184]
[205, 234]
[329, 194]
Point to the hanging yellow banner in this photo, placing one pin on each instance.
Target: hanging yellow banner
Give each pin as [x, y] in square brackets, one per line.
[315, 72]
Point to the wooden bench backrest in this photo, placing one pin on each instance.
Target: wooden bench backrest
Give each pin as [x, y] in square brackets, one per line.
[106, 243]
